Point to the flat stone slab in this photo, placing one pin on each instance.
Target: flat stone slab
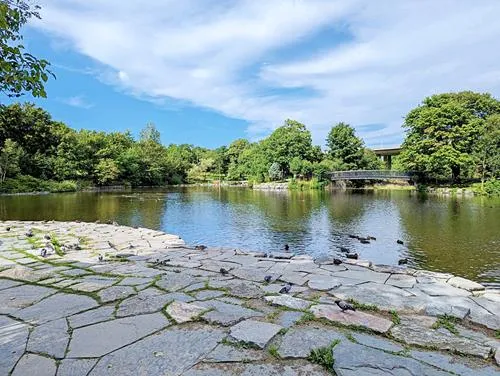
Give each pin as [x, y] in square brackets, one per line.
[147, 301]
[258, 369]
[356, 318]
[13, 337]
[417, 330]
[441, 289]
[323, 283]
[170, 352]
[225, 354]
[55, 307]
[16, 298]
[75, 367]
[51, 339]
[377, 342]
[465, 284]
[352, 359]
[88, 342]
[115, 293]
[94, 316]
[32, 364]
[183, 312]
[208, 294]
[288, 301]
[253, 332]
[226, 314]
[288, 319]
[298, 342]
[401, 280]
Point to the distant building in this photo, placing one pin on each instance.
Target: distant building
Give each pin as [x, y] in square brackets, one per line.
[386, 155]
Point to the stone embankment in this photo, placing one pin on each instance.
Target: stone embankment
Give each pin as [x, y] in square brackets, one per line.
[85, 299]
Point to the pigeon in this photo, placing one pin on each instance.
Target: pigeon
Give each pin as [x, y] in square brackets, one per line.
[344, 249]
[29, 233]
[400, 242]
[200, 247]
[353, 256]
[46, 237]
[403, 261]
[371, 237]
[43, 252]
[287, 247]
[8, 229]
[286, 289]
[100, 257]
[115, 223]
[223, 271]
[337, 261]
[353, 236]
[364, 241]
[344, 306]
[268, 278]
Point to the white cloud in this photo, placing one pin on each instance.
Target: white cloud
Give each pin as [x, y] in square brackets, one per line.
[223, 55]
[77, 101]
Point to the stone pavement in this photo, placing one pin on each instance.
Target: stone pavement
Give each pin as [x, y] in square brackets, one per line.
[115, 300]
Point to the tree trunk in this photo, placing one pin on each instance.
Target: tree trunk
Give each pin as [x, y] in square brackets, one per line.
[455, 173]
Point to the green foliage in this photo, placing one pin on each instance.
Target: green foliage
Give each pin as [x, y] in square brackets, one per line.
[447, 322]
[395, 317]
[443, 134]
[20, 71]
[275, 172]
[106, 171]
[324, 356]
[273, 351]
[343, 145]
[490, 187]
[363, 306]
[150, 134]
[24, 183]
[10, 156]
[487, 149]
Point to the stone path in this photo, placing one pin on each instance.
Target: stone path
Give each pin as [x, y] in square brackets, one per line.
[115, 300]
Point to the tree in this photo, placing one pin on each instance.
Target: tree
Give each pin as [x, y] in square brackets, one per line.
[150, 134]
[487, 150]
[441, 134]
[10, 155]
[343, 145]
[20, 71]
[289, 141]
[106, 171]
[275, 172]
[296, 166]
[370, 161]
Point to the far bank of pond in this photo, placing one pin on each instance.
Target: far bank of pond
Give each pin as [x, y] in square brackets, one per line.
[443, 233]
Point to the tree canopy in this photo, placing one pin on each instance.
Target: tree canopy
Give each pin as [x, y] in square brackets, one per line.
[20, 71]
[442, 134]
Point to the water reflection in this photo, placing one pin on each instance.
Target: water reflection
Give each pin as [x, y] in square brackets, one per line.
[446, 234]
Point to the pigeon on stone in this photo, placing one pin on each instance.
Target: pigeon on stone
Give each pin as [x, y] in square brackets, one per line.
[337, 261]
[200, 247]
[364, 241]
[223, 271]
[400, 242]
[43, 252]
[268, 278]
[46, 237]
[115, 223]
[353, 236]
[344, 249]
[8, 229]
[344, 306]
[371, 237]
[100, 257]
[29, 233]
[403, 261]
[287, 247]
[353, 256]
[286, 289]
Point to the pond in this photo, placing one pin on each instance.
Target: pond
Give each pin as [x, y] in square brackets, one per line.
[447, 234]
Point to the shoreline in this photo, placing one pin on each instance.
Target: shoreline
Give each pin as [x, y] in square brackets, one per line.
[192, 296]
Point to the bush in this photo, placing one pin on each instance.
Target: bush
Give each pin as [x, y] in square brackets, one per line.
[491, 187]
[25, 184]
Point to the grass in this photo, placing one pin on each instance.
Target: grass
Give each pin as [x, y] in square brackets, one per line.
[497, 334]
[324, 356]
[447, 322]
[362, 306]
[273, 351]
[306, 317]
[395, 317]
[57, 245]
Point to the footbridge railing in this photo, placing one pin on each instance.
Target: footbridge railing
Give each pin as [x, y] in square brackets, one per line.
[369, 175]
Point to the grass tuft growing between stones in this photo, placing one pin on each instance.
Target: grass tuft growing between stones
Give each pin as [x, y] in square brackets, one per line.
[497, 334]
[306, 317]
[447, 322]
[324, 356]
[362, 306]
[395, 317]
[273, 351]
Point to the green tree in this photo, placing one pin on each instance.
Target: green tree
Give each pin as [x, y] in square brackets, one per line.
[487, 149]
[296, 166]
[10, 156]
[275, 172]
[288, 141]
[106, 171]
[20, 71]
[150, 134]
[370, 161]
[441, 134]
[343, 145]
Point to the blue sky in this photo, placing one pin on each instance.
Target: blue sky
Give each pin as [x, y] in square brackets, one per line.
[207, 72]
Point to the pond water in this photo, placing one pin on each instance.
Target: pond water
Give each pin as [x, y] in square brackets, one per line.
[449, 234]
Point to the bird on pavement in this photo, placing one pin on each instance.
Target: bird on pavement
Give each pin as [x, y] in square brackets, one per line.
[8, 229]
[100, 257]
[353, 256]
[403, 261]
[268, 278]
[46, 237]
[344, 306]
[43, 252]
[29, 233]
[286, 289]
[344, 249]
[223, 271]
[287, 247]
[337, 261]
[400, 242]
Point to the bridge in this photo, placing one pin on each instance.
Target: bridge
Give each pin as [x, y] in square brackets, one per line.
[369, 175]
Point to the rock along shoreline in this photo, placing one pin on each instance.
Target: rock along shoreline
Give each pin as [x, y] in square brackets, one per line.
[95, 299]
